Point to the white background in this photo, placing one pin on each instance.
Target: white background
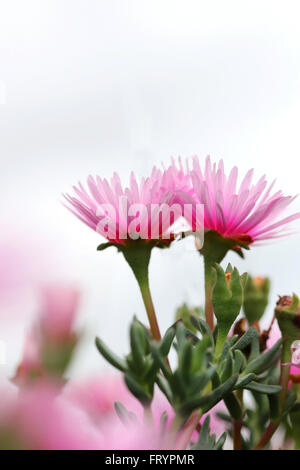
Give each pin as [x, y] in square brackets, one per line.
[98, 86]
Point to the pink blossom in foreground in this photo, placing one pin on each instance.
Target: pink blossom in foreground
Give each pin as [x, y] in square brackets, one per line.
[248, 213]
[98, 394]
[52, 333]
[41, 419]
[59, 305]
[30, 366]
[119, 213]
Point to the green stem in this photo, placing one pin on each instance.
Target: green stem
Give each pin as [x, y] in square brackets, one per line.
[285, 370]
[209, 313]
[146, 294]
[284, 381]
[138, 258]
[221, 338]
[237, 424]
[268, 434]
[237, 436]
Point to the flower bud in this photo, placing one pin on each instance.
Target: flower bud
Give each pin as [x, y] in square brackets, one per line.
[184, 313]
[256, 296]
[287, 312]
[227, 301]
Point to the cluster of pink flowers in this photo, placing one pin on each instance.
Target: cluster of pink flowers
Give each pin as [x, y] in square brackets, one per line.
[248, 213]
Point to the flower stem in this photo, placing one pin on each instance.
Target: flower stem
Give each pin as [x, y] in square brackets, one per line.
[284, 381]
[285, 370]
[209, 313]
[146, 294]
[237, 436]
[148, 416]
[237, 424]
[268, 434]
[138, 258]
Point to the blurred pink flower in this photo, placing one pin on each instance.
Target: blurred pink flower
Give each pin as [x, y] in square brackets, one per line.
[98, 394]
[106, 208]
[30, 365]
[41, 419]
[52, 337]
[58, 309]
[248, 213]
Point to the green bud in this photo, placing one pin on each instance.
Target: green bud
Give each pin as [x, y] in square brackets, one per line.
[184, 313]
[227, 299]
[287, 312]
[256, 296]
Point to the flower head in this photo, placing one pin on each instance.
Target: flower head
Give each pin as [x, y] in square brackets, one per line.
[140, 211]
[248, 213]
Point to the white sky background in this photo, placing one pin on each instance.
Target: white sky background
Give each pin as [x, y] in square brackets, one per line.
[102, 86]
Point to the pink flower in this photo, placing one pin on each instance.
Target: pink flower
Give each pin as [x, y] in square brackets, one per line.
[248, 213]
[58, 311]
[41, 419]
[97, 396]
[30, 366]
[38, 419]
[49, 344]
[137, 211]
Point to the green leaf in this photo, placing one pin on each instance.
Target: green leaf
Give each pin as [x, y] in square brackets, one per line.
[246, 339]
[110, 356]
[220, 442]
[185, 360]
[144, 397]
[220, 392]
[159, 359]
[245, 380]
[263, 388]
[206, 402]
[202, 327]
[167, 341]
[262, 362]
[138, 345]
[165, 388]
[228, 367]
[103, 246]
[239, 361]
[233, 406]
[199, 382]
[207, 441]
[124, 415]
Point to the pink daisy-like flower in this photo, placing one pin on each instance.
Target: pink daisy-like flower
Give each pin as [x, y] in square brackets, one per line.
[138, 211]
[248, 213]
